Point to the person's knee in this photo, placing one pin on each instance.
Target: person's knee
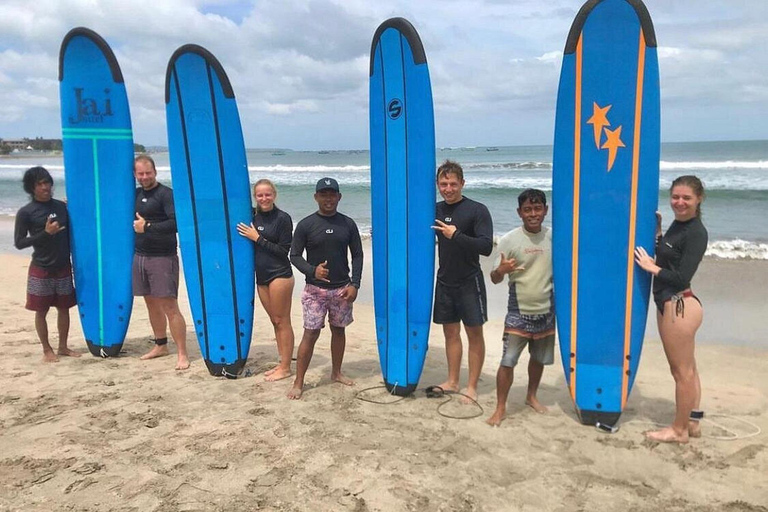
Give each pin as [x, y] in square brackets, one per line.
[683, 372]
[279, 321]
[338, 331]
[475, 335]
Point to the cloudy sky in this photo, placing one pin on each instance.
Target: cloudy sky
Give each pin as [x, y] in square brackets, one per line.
[300, 67]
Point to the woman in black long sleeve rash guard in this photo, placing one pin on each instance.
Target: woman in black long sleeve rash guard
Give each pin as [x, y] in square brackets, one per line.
[679, 311]
[272, 232]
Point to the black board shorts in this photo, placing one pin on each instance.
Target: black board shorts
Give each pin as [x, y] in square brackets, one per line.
[466, 302]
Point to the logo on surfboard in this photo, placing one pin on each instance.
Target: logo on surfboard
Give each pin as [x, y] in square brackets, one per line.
[395, 108]
[601, 124]
[89, 110]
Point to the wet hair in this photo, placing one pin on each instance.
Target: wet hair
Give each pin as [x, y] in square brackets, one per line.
[147, 159]
[264, 181]
[450, 167]
[695, 184]
[533, 195]
[32, 176]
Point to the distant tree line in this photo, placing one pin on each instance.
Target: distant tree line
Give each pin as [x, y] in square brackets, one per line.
[41, 144]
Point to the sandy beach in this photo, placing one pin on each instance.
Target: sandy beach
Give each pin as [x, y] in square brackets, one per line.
[130, 435]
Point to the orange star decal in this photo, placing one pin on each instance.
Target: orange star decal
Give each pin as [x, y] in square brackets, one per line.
[599, 120]
[612, 144]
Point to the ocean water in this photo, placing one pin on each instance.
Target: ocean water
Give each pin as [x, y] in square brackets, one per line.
[735, 175]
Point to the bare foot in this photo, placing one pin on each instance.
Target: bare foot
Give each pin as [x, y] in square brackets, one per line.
[498, 416]
[271, 371]
[667, 435]
[694, 429]
[157, 351]
[449, 386]
[68, 352]
[277, 374]
[295, 392]
[341, 379]
[182, 363]
[471, 396]
[50, 357]
[537, 406]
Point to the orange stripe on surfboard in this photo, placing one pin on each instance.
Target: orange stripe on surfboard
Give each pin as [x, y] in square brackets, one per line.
[575, 226]
[633, 220]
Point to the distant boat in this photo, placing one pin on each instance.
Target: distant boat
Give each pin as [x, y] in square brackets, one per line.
[324, 152]
[491, 149]
[278, 153]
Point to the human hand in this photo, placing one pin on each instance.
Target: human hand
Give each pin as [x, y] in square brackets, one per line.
[645, 262]
[658, 224]
[508, 265]
[321, 272]
[349, 293]
[52, 226]
[248, 231]
[447, 230]
[140, 224]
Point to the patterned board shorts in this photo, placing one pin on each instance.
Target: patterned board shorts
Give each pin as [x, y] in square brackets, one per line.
[50, 288]
[316, 302]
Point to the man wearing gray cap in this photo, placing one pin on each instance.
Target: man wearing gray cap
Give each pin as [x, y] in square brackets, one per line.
[326, 236]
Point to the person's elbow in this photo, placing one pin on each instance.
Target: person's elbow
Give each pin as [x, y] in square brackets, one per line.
[487, 247]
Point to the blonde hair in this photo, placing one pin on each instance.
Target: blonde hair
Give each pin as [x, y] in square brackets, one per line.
[264, 181]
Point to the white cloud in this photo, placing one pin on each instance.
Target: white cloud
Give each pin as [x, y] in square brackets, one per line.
[300, 67]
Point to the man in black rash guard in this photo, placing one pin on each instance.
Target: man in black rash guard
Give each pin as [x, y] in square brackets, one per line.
[326, 235]
[464, 231]
[155, 262]
[42, 224]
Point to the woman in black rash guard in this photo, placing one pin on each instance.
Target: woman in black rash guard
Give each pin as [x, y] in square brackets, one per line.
[679, 311]
[272, 231]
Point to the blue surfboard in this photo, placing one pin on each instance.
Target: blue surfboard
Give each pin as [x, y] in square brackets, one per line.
[605, 194]
[211, 194]
[402, 130]
[98, 168]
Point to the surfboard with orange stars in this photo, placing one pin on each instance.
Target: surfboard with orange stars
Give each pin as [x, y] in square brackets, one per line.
[604, 199]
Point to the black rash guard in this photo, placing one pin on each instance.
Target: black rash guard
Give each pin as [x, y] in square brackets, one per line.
[49, 251]
[156, 207]
[678, 253]
[459, 257]
[327, 239]
[275, 229]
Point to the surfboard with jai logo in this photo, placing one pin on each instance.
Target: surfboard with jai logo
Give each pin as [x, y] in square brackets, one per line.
[98, 170]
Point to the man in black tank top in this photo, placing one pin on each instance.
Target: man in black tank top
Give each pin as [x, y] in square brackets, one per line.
[326, 235]
[155, 262]
[464, 231]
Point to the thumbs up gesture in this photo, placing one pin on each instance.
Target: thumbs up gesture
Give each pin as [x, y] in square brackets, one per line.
[139, 224]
